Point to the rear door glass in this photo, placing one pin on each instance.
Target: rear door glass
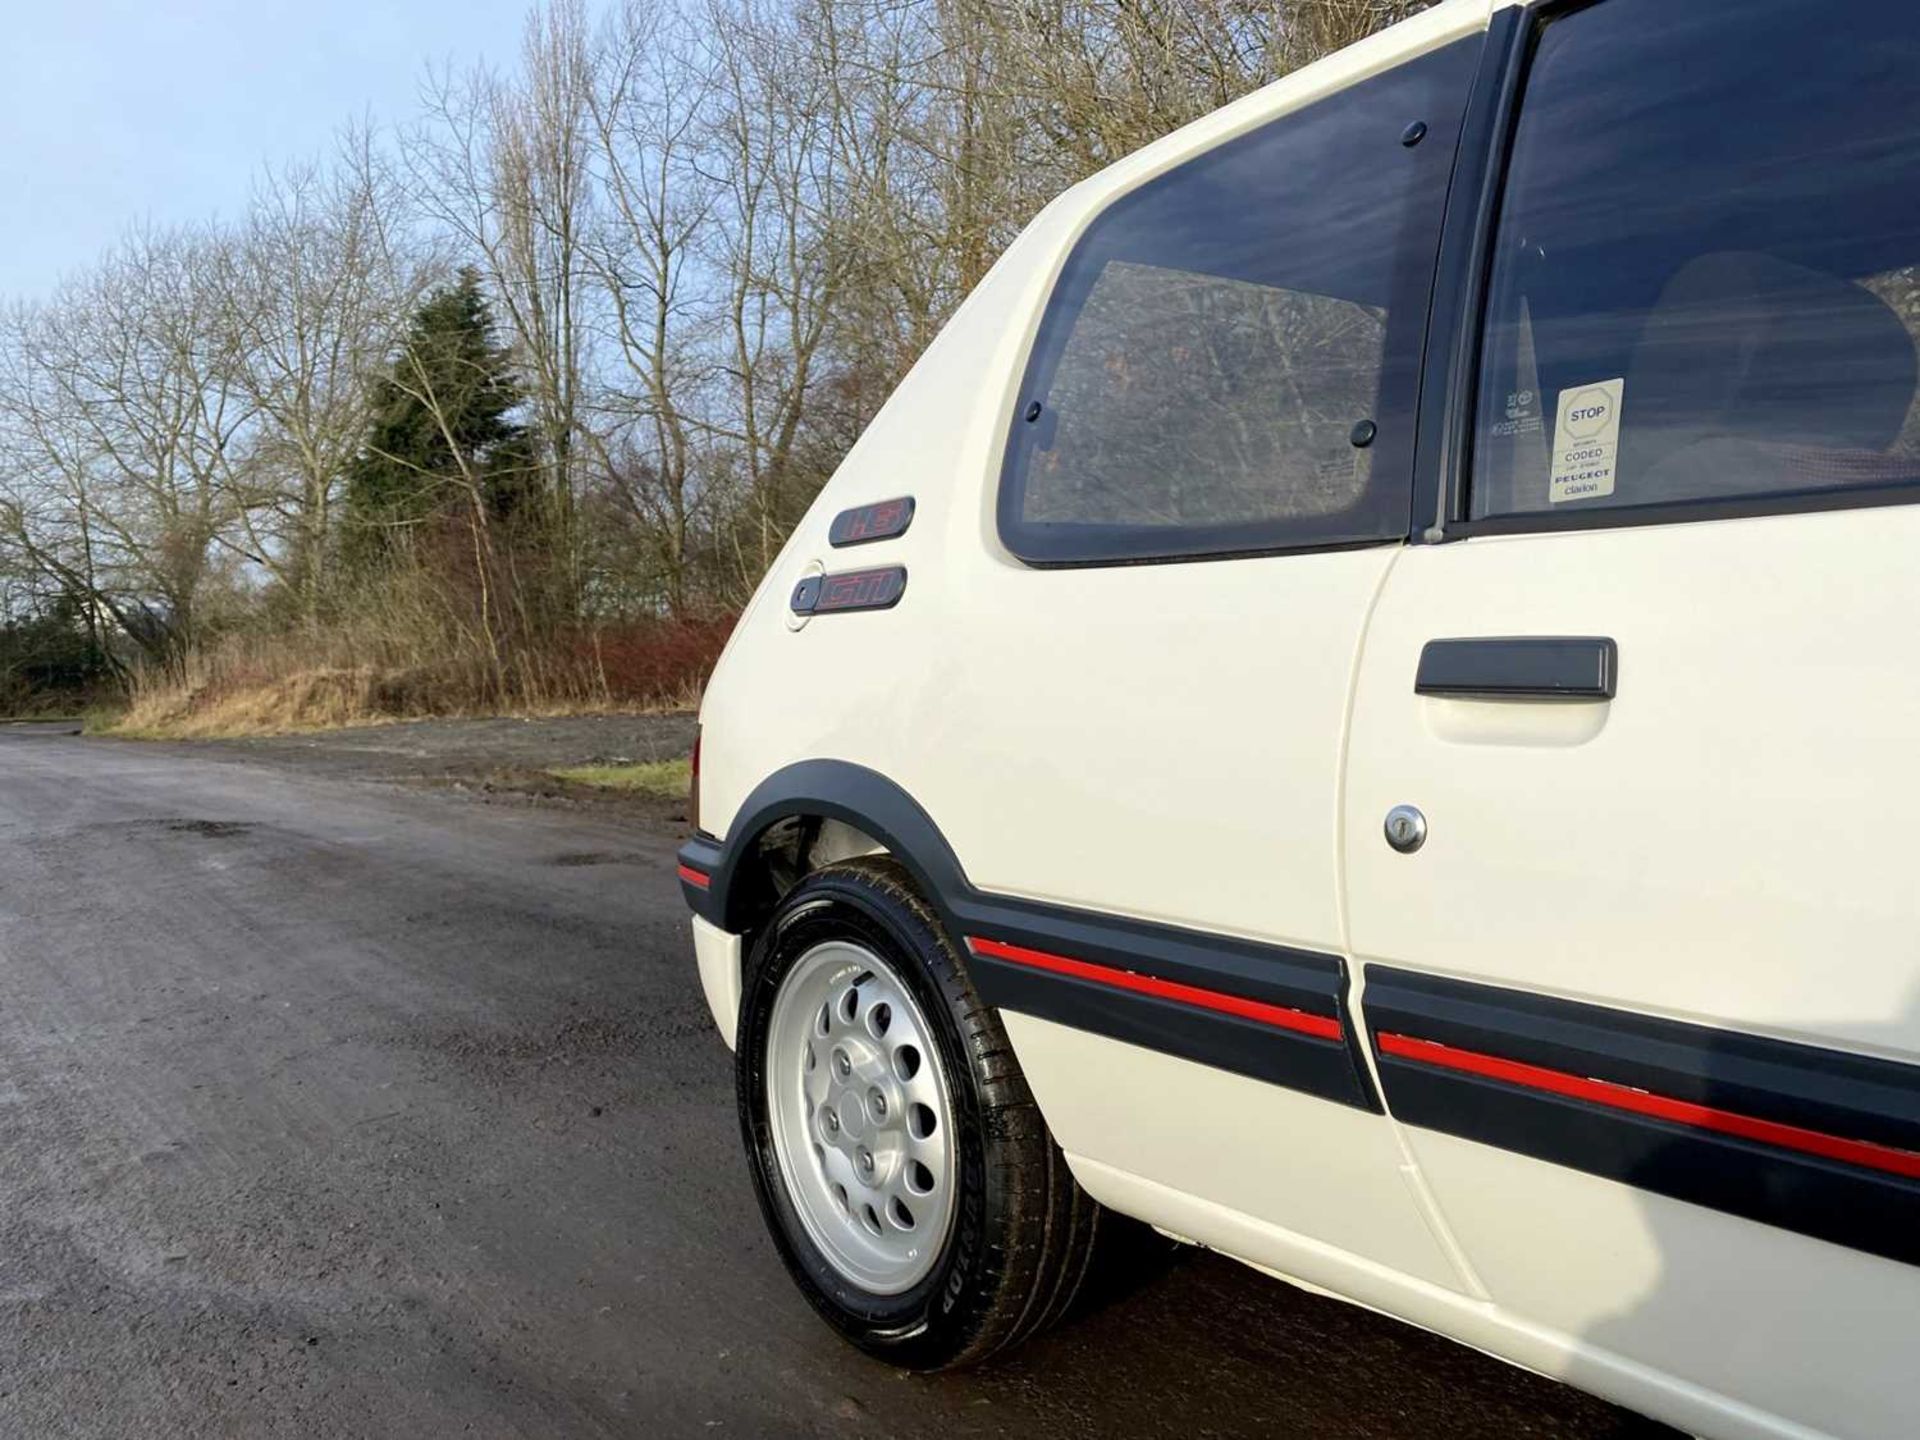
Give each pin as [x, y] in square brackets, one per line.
[1707, 266]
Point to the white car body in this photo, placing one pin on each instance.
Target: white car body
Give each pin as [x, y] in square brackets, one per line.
[1726, 843]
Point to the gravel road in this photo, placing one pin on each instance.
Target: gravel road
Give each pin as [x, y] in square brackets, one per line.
[331, 1106]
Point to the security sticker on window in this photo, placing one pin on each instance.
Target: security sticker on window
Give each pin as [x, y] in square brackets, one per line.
[1586, 441]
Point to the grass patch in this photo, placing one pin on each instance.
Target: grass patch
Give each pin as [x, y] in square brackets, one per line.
[665, 779]
[314, 700]
[375, 669]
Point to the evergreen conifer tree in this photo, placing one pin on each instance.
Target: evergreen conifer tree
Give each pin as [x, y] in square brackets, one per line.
[442, 424]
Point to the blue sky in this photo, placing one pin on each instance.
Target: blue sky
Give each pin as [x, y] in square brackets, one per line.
[115, 110]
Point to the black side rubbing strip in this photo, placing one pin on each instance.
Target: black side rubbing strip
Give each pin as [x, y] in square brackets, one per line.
[1312, 983]
[1530, 667]
[1853, 1098]
[882, 520]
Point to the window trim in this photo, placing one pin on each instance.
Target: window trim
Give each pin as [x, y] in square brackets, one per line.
[1450, 365]
[1677, 512]
[1457, 409]
[1007, 526]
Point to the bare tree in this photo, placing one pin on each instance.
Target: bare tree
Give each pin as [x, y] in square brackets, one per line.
[717, 233]
[502, 164]
[649, 102]
[316, 286]
[780, 195]
[128, 406]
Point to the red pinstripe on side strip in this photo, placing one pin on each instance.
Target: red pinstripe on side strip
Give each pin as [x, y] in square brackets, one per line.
[1659, 1107]
[1279, 1016]
[695, 877]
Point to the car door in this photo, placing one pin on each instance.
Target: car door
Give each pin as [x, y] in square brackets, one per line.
[1206, 478]
[1641, 974]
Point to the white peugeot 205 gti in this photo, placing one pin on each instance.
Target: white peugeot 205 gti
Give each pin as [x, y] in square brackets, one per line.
[1361, 706]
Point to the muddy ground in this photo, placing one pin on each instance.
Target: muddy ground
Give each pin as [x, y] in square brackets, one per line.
[502, 757]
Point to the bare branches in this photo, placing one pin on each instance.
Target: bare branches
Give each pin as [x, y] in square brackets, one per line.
[716, 233]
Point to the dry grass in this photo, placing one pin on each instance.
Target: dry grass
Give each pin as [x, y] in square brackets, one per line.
[304, 700]
[666, 779]
[279, 685]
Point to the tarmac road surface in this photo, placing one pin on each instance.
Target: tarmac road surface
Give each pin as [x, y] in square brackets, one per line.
[334, 1107]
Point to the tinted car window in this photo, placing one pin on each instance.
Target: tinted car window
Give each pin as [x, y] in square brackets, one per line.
[1218, 333]
[1706, 282]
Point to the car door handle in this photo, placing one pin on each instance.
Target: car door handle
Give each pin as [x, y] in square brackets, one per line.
[1520, 667]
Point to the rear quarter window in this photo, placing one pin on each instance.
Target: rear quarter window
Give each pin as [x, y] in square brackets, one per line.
[1218, 334]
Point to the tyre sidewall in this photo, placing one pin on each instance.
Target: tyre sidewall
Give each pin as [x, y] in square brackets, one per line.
[927, 1324]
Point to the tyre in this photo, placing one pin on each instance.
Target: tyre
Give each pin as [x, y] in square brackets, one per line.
[905, 1174]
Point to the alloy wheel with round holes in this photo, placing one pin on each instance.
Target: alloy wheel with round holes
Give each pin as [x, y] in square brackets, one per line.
[907, 1179]
[862, 1127]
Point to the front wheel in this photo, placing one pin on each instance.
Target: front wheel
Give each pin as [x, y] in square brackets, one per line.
[904, 1171]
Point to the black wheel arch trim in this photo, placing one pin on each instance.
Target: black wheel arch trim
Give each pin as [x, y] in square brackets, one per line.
[1310, 982]
[825, 789]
